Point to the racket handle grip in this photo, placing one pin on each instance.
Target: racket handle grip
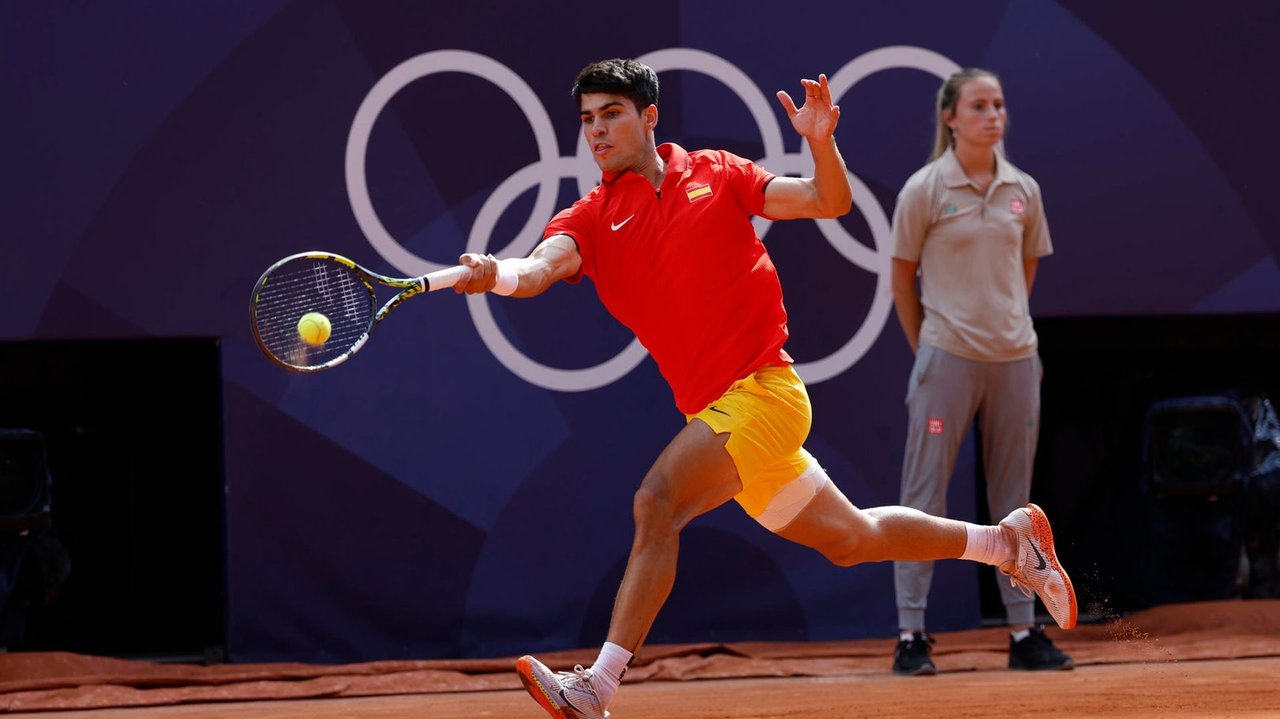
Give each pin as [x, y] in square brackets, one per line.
[448, 277]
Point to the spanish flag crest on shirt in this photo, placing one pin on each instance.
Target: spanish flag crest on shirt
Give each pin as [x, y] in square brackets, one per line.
[698, 191]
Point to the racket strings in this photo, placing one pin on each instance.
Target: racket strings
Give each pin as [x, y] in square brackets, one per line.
[306, 285]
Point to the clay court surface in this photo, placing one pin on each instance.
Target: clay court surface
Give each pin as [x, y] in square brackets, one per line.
[1216, 659]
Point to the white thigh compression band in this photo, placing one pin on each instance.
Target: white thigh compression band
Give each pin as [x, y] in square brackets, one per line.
[793, 497]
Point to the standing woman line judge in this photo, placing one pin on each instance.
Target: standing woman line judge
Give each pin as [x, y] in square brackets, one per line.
[972, 226]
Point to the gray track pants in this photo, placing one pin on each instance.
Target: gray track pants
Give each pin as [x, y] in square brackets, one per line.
[944, 395]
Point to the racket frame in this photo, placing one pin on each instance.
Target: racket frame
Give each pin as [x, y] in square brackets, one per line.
[409, 286]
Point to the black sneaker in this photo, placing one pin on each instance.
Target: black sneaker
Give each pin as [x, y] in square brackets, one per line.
[1036, 651]
[911, 658]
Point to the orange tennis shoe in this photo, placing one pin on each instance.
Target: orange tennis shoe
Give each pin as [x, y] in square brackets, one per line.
[1036, 568]
[565, 695]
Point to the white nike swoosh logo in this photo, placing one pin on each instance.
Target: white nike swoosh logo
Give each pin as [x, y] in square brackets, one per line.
[617, 226]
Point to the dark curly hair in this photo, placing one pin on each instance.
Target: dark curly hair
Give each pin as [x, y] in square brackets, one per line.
[628, 78]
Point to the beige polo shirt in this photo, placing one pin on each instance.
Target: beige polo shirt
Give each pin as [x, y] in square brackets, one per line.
[970, 248]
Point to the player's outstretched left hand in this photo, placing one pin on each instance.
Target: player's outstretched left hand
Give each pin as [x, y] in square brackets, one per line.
[817, 119]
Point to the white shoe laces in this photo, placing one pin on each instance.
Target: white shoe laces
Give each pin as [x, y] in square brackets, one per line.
[1026, 590]
[579, 676]
[579, 680]
[1016, 581]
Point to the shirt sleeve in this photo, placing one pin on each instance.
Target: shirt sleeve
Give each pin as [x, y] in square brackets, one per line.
[911, 219]
[747, 181]
[576, 222]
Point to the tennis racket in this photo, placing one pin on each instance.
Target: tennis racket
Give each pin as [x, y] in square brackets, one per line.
[300, 288]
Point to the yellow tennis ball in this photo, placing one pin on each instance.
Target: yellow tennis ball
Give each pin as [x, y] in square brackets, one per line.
[314, 328]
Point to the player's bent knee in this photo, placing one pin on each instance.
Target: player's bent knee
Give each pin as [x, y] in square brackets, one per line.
[645, 504]
[792, 498]
[652, 510]
[846, 554]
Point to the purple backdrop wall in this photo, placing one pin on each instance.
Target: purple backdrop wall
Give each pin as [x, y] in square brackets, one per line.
[403, 505]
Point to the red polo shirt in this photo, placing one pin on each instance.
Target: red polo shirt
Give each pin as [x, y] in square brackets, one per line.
[683, 268]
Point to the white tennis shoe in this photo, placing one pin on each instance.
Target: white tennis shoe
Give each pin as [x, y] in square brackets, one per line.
[565, 695]
[1036, 568]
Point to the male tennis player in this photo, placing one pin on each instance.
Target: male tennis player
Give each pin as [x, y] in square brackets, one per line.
[667, 239]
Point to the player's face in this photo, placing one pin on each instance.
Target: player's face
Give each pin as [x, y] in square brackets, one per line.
[979, 117]
[618, 134]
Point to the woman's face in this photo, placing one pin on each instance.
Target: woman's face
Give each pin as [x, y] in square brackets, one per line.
[979, 116]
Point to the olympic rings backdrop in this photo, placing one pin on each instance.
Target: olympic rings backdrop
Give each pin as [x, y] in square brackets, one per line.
[463, 486]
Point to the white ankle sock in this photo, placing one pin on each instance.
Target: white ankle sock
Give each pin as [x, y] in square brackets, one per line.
[987, 544]
[607, 672]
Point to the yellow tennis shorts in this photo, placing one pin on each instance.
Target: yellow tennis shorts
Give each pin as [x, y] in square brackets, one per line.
[767, 415]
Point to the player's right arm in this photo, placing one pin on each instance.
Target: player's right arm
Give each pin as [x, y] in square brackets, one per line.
[551, 261]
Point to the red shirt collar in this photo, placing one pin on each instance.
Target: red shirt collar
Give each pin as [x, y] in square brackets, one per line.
[675, 157]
